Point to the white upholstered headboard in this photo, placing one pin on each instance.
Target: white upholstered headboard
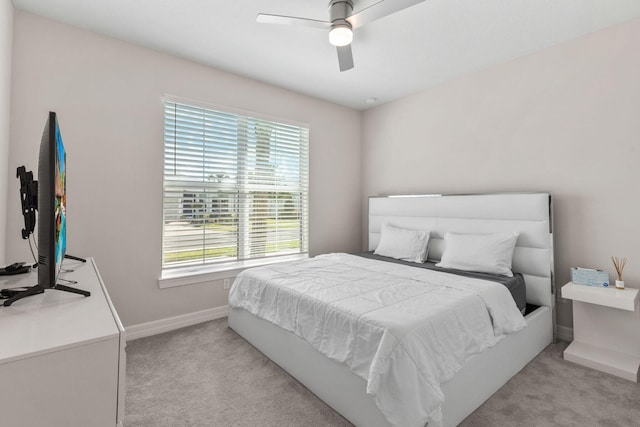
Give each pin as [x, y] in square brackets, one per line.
[530, 214]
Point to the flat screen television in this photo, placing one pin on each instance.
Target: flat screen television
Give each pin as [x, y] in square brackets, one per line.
[52, 201]
[52, 213]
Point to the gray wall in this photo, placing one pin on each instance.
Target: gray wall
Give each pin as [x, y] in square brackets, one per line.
[6, 33]
[564, 120]
[108, 96]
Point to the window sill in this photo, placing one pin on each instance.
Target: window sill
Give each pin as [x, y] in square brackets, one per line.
[193, 275]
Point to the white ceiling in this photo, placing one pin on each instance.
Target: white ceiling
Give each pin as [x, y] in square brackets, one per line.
[397, 55]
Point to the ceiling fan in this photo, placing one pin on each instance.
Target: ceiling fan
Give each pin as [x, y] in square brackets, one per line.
[342, 22]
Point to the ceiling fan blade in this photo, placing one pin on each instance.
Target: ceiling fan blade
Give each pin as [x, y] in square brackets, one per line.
[265, 18]
[379, 10]
[345, 57]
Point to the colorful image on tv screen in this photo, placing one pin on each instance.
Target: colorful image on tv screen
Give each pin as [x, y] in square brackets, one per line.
[60, 202]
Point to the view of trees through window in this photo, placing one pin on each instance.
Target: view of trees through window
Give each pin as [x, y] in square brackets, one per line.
[235, 187]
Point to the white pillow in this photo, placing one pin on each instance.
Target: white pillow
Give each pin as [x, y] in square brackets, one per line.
[401, 243]
[486, 253]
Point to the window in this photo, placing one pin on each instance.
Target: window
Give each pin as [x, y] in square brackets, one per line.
[235, 187]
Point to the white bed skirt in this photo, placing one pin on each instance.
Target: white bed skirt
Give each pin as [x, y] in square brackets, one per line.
[345, 392]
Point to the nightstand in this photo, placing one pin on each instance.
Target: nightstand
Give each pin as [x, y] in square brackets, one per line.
[606, 329]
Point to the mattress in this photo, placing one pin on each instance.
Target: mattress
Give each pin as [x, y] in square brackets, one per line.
[515, 284]
[403, 330]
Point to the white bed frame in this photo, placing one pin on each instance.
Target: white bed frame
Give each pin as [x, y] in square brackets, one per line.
[484, 373]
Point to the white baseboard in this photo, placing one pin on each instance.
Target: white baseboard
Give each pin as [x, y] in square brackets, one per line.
[564, 333]
[169, 324]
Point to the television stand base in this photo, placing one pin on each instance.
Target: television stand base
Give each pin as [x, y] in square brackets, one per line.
[72, 290]
[37, 289]
[75, 258]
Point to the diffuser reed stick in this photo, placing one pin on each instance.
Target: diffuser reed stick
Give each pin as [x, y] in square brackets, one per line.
[619, 264]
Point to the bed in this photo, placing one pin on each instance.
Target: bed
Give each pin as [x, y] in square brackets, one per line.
[342, 387]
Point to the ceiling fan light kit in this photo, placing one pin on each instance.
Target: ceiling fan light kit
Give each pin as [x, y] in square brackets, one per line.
[342, 22]
[340, 34]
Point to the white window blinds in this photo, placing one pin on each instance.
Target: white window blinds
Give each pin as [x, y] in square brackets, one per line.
[235, 187]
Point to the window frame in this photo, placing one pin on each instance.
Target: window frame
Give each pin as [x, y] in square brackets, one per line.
[190, 274]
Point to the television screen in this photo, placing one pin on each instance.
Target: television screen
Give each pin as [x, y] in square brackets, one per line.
[52, 239]
[60, 201]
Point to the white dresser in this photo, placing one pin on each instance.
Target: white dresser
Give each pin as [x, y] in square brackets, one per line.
[62, 357]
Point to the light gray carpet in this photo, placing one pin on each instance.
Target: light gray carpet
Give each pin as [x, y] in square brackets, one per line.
[206, 375]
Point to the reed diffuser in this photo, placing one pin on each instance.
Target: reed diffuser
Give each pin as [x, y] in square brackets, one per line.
[619, 264]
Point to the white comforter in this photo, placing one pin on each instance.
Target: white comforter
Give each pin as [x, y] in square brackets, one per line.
[402, 329]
